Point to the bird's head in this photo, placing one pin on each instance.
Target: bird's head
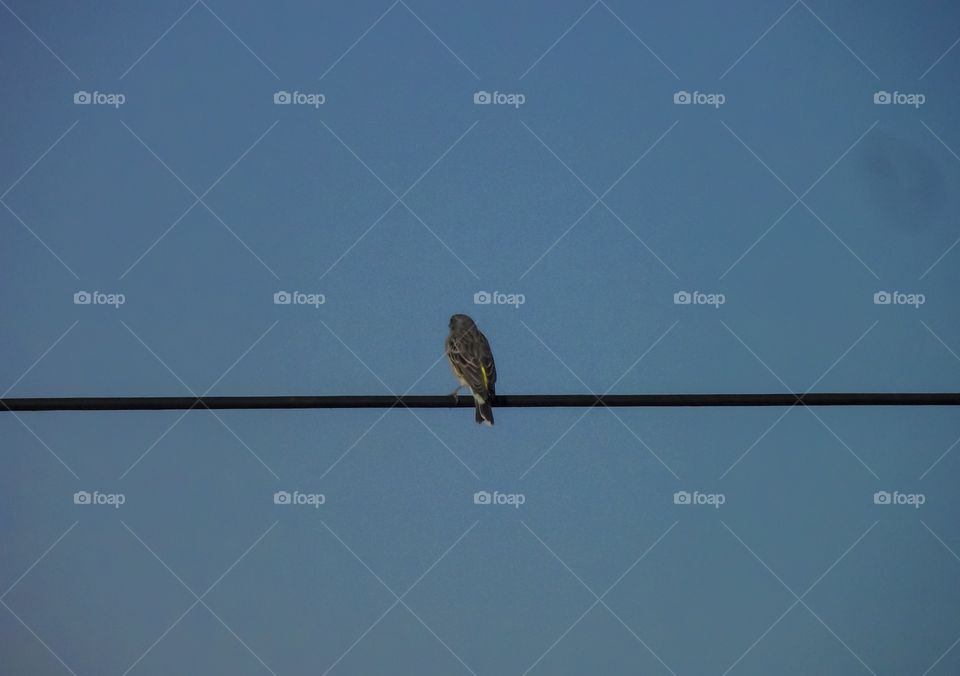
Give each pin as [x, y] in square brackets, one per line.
[460, 323]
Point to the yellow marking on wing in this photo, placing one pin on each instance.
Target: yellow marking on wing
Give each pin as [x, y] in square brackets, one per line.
[483, 372]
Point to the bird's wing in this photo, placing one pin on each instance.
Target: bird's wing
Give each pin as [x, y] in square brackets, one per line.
[467, 358]
[486, 359]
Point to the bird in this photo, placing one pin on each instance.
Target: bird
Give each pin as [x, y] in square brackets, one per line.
[471, 361]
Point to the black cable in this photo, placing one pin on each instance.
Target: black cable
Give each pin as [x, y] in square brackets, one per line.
[465, 401]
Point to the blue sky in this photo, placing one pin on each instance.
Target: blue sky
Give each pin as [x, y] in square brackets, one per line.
[787, 192]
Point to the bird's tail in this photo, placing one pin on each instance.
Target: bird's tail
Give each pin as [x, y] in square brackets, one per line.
[483, 412]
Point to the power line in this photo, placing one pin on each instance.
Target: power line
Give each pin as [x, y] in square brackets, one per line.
[501, 401]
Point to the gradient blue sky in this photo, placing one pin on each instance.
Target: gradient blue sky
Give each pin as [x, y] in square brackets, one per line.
[398, 199]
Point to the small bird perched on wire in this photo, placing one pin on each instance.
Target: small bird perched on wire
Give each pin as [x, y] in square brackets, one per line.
[472, 363]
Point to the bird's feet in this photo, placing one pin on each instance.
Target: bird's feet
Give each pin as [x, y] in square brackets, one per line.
[456, 394]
